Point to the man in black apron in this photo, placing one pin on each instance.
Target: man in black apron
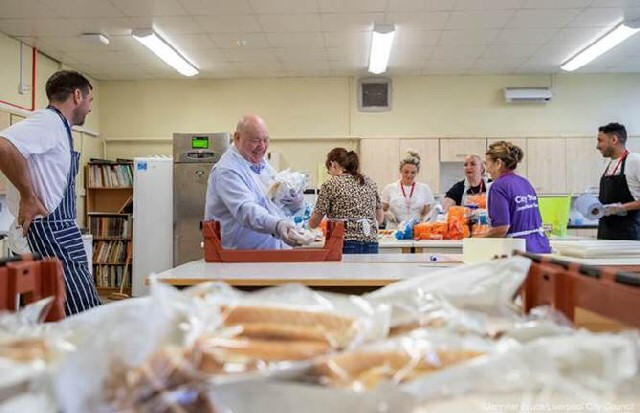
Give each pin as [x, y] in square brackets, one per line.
[621, 221]
[38, 158]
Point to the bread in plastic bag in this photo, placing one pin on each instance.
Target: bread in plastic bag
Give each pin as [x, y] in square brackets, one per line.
[399, 360]
[486, 287]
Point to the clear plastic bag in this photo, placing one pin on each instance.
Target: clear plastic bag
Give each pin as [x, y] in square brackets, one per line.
[487, 288]
[400, 360]
[287, 185]
[29, 353]
[171, 349]
[584, 368]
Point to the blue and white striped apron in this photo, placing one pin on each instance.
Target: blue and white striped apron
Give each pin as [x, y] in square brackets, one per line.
[57, 235]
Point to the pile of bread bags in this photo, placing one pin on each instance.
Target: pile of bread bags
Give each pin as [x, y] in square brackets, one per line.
[448, 341]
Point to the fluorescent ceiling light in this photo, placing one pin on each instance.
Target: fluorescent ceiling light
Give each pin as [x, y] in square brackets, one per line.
[607, 42]
[164, 51]
[381, 42]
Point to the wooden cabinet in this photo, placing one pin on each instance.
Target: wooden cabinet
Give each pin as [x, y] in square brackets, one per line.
[455, 150]
[522, 144]
[429, 162]
[380, 159]
[546, 167]
[109, 214]
[585, 164]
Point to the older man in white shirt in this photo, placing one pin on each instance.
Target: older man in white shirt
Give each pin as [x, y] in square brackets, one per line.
[236, 193]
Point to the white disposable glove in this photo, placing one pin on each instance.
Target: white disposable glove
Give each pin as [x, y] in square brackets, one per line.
[288, 232]
[614, 209]
[390, 216]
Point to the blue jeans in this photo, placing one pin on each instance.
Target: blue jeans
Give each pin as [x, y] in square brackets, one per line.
[359, 247]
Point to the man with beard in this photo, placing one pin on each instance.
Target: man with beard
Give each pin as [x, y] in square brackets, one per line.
[38, 159]
[619, 186]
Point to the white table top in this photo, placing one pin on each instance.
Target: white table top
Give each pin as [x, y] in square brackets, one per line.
[353, 270]
[388, 242]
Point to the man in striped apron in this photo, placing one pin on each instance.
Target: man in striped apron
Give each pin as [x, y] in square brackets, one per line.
[37, 157]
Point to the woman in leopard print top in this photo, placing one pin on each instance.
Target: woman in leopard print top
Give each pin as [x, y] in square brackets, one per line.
[353, 198]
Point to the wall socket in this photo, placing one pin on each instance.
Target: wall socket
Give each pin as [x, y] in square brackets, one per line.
[23, 88]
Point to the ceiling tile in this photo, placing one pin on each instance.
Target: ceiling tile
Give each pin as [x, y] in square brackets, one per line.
[538, 19]
[168, 25]
[72, 44]
[409, 56]
[290, 22]
[536, 69]
[403, 71]
[351, 6]
[420, 5]
[552, 54]
[465, 20]
[211, 60]
[333, 22]
[272, 65]
[27, 9]
[284, 6]
[354, 39]
[600, 17]
[38, 27]
[417, 37]
[611, 3]
[189, 43]
[445, 52]
[481, 36]
[312, 65]
[215, 7]
[109, 26]
[556, 4]
[83, 8]
[249, 40]
[578, 37]
[524, 36]
[291, 55]
[488, 4]
[299, 40]
[233, 23]
[419, 20]
[137, 8]
[248, 55]
[99, 58]
[446, 66]
[347, 55]
[502, 51]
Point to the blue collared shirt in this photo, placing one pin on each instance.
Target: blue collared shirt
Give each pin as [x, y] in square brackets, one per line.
[236, 198]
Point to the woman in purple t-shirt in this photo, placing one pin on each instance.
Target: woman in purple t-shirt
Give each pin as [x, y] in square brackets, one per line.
[512, 202]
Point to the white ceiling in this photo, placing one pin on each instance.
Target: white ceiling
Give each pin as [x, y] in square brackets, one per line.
[324, 37]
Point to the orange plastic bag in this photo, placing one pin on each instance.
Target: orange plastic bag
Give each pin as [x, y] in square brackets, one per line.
[458, 223]
[430, 231]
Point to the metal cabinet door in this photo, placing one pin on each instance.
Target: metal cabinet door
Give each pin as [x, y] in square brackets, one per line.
[189, 191]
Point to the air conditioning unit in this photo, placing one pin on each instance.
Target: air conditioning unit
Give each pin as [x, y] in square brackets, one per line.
[527, 94]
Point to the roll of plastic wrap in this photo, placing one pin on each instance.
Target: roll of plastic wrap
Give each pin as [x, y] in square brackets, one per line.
[589, 206]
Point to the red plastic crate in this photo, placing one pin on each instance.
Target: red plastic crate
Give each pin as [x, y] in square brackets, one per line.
[214, 252]
[33, 280]
[566, 285]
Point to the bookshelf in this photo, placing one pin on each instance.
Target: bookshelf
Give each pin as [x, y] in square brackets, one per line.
[109, 214]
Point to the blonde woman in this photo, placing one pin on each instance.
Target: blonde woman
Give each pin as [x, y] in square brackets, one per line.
[406, 198]
[474, 183]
